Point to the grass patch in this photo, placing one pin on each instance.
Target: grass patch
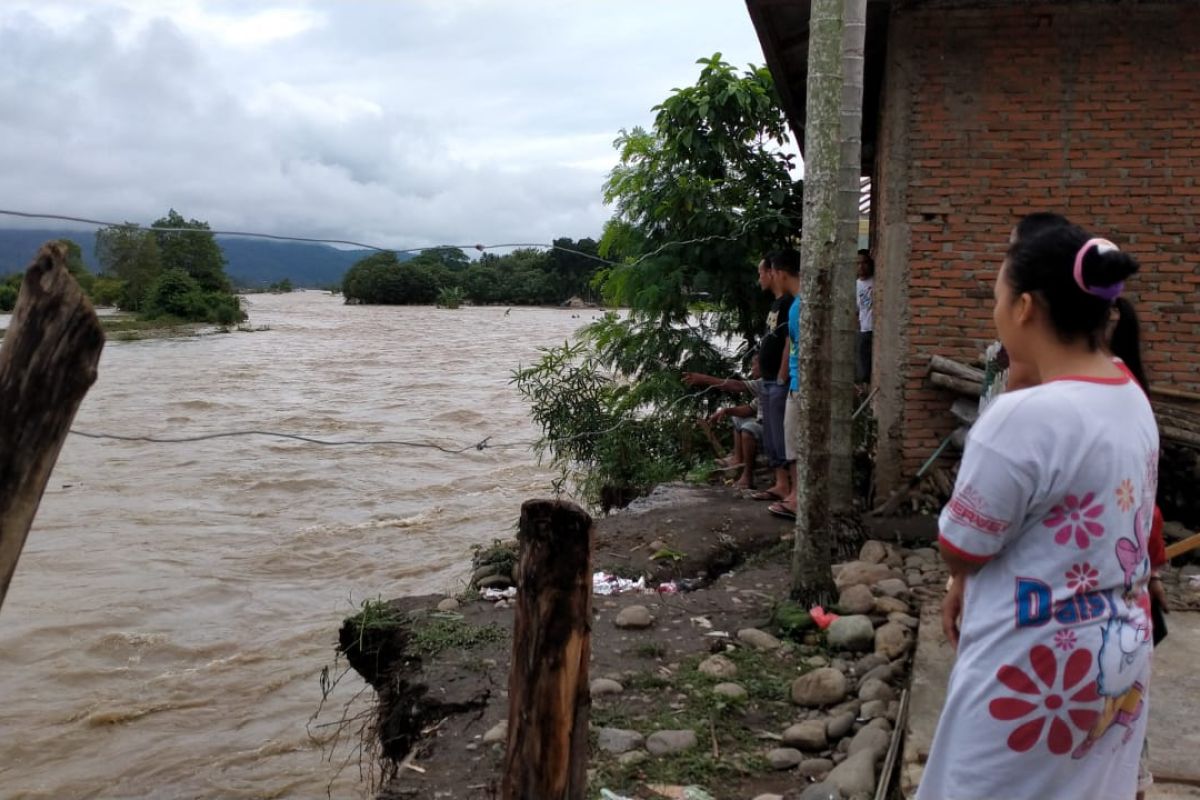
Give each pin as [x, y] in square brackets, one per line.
[650, 650]
[374, 616]
[685, 700]
[500, 555]
[439, 632]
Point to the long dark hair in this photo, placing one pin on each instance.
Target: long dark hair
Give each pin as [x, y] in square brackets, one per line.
[1126, 341]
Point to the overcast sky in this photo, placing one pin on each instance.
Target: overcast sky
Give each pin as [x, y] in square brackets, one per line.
[402, 123]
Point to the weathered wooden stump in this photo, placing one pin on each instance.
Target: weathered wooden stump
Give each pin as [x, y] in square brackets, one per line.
[47, 364]
[548, 692]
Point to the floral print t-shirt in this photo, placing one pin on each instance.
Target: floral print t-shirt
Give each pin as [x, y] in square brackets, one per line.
[1049, 694]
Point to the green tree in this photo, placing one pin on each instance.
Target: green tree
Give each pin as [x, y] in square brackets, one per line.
[10, 289]
[195, 251]
[700, 197]
[573, 265]
[129, 254]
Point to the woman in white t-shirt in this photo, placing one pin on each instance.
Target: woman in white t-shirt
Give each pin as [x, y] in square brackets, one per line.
[1046, 537]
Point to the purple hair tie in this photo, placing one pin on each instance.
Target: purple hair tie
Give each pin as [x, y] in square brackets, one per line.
[1108, 293]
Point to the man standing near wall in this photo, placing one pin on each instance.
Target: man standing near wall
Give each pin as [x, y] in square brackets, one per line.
[774, 395]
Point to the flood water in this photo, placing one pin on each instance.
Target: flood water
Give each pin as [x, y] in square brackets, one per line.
[167, 627]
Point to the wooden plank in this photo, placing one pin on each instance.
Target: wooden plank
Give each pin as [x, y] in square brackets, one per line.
[549, 699]
[959, 385]
[954, 369]
[1184, 546]
[47, 364]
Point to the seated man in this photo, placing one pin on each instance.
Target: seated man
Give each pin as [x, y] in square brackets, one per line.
[747, 423]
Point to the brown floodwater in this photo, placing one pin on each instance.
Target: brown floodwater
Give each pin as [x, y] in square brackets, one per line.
[175, 605]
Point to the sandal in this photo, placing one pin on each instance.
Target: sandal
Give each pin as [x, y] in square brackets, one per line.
[781, 511]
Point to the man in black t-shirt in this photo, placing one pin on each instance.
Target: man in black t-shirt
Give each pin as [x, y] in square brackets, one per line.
[774, 395]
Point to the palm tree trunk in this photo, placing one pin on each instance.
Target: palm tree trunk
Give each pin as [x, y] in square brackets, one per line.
[812, 575]
[847, 523]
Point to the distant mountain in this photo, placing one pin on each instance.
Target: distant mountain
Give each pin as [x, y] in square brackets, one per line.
[251, 262]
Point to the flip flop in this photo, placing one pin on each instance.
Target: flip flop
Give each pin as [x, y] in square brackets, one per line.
[779, 510]
[766, 495]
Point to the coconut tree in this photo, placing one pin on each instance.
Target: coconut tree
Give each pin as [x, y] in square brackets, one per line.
[829, 134]
[848, 527]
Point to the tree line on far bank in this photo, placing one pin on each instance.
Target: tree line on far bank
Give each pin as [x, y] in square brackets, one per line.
[445, 275]
[154, 272]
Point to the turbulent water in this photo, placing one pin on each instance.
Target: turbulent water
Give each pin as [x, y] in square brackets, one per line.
[166, 631]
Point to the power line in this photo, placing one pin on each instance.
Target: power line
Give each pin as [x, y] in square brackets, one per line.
[317, 240]
[480, 445]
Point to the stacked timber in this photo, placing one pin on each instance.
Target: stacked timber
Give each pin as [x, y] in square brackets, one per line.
[1177, 411]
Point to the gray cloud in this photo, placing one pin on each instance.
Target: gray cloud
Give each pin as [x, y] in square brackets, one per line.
[402, 123]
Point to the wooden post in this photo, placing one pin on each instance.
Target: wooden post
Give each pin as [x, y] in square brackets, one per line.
[548, 693]
[47, 364]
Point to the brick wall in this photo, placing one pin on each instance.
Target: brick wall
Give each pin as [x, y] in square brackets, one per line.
[1091, 109]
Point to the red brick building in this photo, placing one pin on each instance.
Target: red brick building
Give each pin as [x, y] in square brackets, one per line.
[978, 111]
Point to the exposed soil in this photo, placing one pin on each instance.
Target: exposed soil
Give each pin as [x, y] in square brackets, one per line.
[437, 706]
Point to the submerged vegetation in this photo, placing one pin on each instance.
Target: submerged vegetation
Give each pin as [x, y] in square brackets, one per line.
[445, 276]
[158, 273]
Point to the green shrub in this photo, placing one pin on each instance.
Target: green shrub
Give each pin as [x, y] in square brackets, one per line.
[8, 297]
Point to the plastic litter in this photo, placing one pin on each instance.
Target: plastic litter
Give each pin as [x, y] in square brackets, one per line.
[499, 594]
[605, 794]
[605, 584]
[1194, 581]
[822, 617]
[669, 587]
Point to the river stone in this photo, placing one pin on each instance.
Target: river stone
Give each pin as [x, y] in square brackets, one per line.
[838, 727]
[784, 758]
[603, 686]
[449, 604]
[860, 572]
[821, 791]
[634, 617]
[873, 552]
[486, 571]
[873, 709]
[815, 767]
[892, 587]
[855, 775]
[821, 687]
[759, 640]
[718, 666]
[914, 579]
[497, 733]
[730, 690]
[665, 743]
[856, 599]
[907, 620]
[890, 605]
[618, 740]
[768, 797]
[808, 735]
[871, 738]
[632, 757]
[851, 633]
[881, 673]
[926, 554]
[869, 662]
[875, 689]
[892, 640]
[494, 582]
